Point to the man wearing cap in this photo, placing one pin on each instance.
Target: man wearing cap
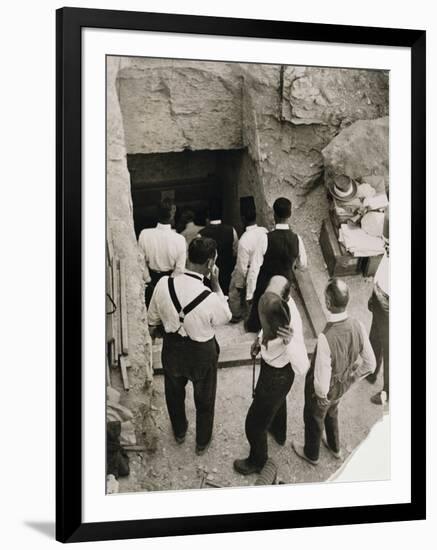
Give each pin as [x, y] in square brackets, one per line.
[334, 367]
[243, 280]
[164, 250]
[283, 354]
[379, 331]
[278, 252]
[186, 312]
[227, 243]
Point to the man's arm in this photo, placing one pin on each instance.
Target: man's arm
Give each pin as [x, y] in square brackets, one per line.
[296, 349]
[143, 249]
[255, 265]
[322, 368]
[181, 257]
[153, 315]
[241, 266]
[302, 259]
[235, 242]
[221, 314]
[368, 363]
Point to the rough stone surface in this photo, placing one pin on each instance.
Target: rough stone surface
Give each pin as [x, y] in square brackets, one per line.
[121, 230]
[284, 116]
[171, 105]
[360, 150]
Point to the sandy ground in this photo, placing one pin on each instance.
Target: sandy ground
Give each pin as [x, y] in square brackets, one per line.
[175, 466]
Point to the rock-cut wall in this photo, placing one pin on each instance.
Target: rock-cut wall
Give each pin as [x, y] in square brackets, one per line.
[121, 230]
[284, 115]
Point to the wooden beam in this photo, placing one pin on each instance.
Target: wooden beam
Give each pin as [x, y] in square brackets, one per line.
[311, 302]
[116, 314]
[123, 367]
[123, 310]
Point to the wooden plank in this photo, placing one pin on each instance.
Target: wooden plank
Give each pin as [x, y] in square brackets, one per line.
[123, 310]
[123, 367]
[108, 373]
[310, 299]
[116, 314]
[109, 247]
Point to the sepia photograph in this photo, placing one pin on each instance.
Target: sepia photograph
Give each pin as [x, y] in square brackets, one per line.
[247, 273]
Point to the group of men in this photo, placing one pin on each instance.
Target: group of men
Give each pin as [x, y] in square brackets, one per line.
[196, 282]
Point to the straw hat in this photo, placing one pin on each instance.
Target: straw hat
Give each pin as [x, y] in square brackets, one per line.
[343, 188]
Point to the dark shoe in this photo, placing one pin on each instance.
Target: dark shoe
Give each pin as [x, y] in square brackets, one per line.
[371, 378]
[201, 449]
[278, 441]
[379, 398]
[246, 468]
[181, 438]
[336, 454]
[299, 450]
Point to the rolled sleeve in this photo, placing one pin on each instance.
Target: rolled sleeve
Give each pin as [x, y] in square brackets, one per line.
[368, 363]
[302, 259]
[221, 314]
[255, 266]
[322, 367]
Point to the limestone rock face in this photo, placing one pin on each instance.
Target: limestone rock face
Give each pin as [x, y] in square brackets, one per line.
[121, 230]
[360, 150]
[172, 105]
[333, 97]
[284, 115]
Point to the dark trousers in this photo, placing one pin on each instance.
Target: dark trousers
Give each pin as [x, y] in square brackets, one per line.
[183, 360]
[316, 419]
[155, 276]
[268, 411]
[253, 324]
[379, 336]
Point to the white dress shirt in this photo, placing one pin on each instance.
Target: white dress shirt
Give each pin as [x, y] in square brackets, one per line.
[277, 354]
[382, 275]
[247, 245]
[261, 249]
[199, 323]
[323, 365]
[163, 249]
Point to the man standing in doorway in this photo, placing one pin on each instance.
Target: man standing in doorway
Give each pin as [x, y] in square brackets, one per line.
[227, 243]
[188, 313]
[243, 280]
[164, 250]
[334, 368]
[283, 354]
[278, 252]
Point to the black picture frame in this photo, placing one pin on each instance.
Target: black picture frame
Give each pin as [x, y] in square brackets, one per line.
[69, 24]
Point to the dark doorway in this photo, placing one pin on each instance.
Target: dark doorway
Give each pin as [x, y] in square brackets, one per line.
[191, 178]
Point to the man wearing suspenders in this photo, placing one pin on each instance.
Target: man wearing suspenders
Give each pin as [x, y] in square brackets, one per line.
[188, 313]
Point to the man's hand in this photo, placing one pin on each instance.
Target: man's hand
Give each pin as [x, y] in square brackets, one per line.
[214, 277]
[255, 348]
[156, 331]
[286, 333]
[322, 402]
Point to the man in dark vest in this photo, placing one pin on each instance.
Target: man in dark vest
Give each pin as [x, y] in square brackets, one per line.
[334, 368]
[278, 252]
[186, 313]
[227, 243]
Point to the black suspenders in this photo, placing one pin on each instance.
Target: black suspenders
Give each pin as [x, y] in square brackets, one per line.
[182, 312]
